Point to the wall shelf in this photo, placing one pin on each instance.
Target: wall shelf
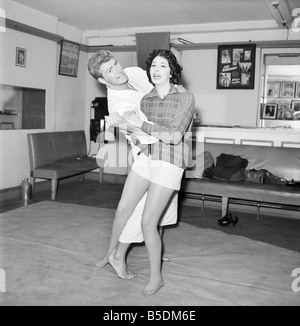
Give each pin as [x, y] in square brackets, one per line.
[9, 23]
[30, 30]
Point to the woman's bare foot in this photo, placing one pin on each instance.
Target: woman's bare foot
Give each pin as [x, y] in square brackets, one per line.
[153, 286]
[120, 267]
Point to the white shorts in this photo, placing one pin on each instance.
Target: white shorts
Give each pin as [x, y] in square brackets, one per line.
[160, 172]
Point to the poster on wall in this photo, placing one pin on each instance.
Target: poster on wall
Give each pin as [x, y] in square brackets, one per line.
[69, 58]
[236, 66]
[21, 55]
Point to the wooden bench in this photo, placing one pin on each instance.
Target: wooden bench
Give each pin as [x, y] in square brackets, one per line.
[281, 161]
[58, 155]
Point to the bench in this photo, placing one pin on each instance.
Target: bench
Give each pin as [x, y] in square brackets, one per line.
[281, 161]
[58, 155]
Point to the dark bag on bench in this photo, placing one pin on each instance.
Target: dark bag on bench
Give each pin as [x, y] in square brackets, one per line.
[229, 167]
[263, 176]
[254, 176]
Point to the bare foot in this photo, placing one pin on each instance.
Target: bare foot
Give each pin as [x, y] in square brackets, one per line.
[120, 267]
[166, 259]
[153, 286]
[103, 262]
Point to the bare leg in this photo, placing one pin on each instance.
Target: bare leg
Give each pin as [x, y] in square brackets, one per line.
[161, 233]
[127, 204]
[121, 248]
[157, 200]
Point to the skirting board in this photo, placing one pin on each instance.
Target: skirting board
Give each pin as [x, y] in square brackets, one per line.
[14, 193]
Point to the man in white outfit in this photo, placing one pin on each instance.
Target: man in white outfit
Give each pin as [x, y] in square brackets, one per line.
[125, 89]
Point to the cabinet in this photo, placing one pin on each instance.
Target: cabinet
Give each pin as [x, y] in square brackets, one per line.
[280, 89]
[278, 137]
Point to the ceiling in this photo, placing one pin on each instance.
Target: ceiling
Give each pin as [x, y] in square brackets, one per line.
[125, 14]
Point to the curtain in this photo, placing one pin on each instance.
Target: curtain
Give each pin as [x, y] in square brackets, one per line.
[147, 42]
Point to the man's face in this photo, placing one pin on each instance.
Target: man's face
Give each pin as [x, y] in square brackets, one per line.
[113, 74]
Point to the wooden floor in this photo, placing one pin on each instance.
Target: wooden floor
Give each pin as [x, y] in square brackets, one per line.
[275, 230]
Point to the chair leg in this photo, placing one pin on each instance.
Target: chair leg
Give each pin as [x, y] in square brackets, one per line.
[202, 204]
[54, 183]
[258, 211]
[82, 177]
[225, 205]
[100, 175]
[32, 181]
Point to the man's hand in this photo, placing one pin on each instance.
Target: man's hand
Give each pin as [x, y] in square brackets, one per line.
[133, 118]
[180, 88]
[114, 120]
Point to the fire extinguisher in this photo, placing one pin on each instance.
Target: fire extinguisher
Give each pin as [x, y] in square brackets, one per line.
[26, 191]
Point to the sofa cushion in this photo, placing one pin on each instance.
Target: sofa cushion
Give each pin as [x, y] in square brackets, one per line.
[66, 167]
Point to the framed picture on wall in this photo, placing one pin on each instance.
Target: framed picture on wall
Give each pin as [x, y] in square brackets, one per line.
[297, 92]
[273, 89]
[69, 59]
[288, 89]
[296, 105]
[283, 110]
[7, 125]
[269, 111]
[21, 56]
[236, 66]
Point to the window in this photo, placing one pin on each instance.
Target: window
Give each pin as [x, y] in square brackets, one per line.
[22, 108]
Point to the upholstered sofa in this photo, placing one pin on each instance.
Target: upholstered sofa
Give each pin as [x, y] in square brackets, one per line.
[281, 161]
[58, 155]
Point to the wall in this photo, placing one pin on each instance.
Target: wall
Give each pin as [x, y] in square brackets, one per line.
[218, 107]
[65, 97]
[40, 72]
[70, 98]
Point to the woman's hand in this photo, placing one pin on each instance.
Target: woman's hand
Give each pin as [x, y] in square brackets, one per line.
[133, 118]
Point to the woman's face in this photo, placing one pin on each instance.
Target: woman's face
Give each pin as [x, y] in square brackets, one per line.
[160, 71]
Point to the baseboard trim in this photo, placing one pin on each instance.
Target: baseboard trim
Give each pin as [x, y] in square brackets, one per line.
[10, 194]
[14, 193]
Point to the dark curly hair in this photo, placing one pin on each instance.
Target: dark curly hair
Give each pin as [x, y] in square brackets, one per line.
[174, 65]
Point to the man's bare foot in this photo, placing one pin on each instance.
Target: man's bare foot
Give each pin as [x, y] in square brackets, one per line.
[103, 262]
[153, 286]
[166, 259]
[120, 267]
